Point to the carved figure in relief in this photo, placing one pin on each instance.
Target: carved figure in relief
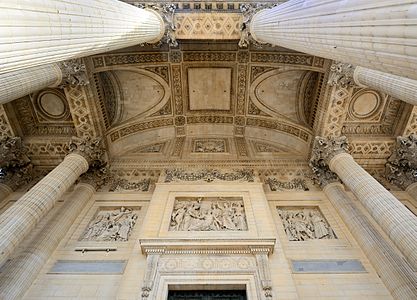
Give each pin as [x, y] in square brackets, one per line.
[114, 225]
[218, 214]
[305, 224]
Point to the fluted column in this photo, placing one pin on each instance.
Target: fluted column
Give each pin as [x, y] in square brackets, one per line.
[401, 168]
[394, 218]
[19, 273]
[379, 35]
[18, 220]
[396, 274]
[35, 33]
[20, 83]
[5, 191]
[401, 88]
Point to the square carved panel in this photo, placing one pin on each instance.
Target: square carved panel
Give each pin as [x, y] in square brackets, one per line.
[209, 88]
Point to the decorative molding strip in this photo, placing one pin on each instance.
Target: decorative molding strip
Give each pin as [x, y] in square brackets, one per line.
[280, 126]
[209, 119]
[209, 56]
[138, 127]
[282, 58]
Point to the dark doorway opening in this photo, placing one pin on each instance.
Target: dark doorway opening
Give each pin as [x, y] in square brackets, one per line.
[207, 295]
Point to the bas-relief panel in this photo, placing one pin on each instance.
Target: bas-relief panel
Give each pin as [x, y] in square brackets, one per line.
[111, 224]
[305, 223]
[208, 214]
[209, 146]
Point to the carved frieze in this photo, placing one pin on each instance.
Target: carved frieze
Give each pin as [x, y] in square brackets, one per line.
[137, 58]
[296, 184]
[120, 185]
[305, 223]
[209, 56]
[111, 225]
[208, 175]
[208, 214]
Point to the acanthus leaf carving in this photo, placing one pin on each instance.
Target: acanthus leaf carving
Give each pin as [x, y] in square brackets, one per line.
[90, 148]
[324, 149]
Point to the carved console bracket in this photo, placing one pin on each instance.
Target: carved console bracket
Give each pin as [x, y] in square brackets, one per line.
[73, 73]
[401, 168]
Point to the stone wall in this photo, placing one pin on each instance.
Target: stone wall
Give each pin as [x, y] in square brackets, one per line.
[261, 258]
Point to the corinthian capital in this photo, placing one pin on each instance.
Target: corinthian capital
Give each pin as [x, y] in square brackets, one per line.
[12, 152]
[96, 176]
[90, 148]
[324, 149]
[73, 72]
[322, 174]
[341, 75]
[166, 11]
[248, 11]
[401, 168]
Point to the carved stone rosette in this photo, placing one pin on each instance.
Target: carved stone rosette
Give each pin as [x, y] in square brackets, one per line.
[90, 148]
[341, 75]
[401, 168]
[73, 73]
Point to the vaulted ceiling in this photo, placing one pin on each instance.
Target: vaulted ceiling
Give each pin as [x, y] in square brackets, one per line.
[208, 101]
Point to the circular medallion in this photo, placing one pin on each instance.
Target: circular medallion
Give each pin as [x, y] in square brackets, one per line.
[365, 104]
[52, 104]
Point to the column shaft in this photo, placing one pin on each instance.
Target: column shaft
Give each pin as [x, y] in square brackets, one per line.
[394, 218]
[5, 191]
[17, 221]
[34, 33]
[20, 83]
[396, 274]
[399, 87]
[412, 190]
[21, 271]
[379, 35]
